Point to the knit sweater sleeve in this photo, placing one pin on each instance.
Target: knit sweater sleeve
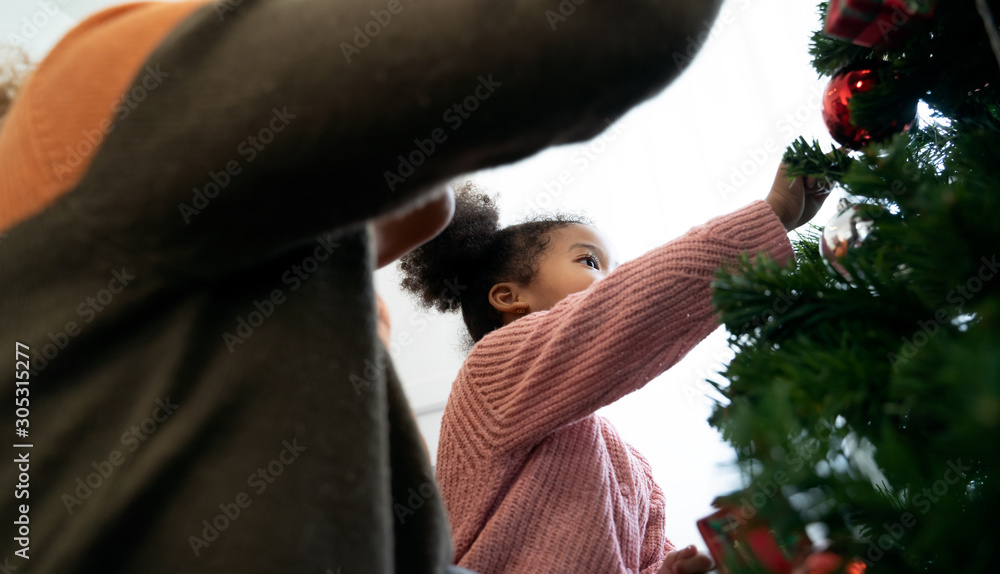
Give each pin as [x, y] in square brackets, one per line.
[264, 123]
[551, 368]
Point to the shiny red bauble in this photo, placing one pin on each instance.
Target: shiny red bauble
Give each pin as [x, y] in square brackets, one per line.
[837, 113]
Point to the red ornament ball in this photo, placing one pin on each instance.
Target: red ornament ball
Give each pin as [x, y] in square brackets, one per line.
[837, 113]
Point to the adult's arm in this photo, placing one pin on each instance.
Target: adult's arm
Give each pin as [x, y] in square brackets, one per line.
[322, 114]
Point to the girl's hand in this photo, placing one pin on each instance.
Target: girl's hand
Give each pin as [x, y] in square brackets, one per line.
[686, 561]
[796, 202]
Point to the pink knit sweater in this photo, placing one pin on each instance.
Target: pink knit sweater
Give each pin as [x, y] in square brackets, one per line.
[533, 480]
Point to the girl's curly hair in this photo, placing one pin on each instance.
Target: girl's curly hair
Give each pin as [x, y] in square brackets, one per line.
[456, 270]
[14, 68]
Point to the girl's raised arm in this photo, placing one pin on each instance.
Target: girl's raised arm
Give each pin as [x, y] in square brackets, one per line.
[554, 367]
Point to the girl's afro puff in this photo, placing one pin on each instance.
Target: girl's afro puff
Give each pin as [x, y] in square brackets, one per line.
[456, 270]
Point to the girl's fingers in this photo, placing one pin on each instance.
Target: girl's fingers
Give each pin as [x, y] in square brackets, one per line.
[817, 186]
[670, 565]
[695, 565]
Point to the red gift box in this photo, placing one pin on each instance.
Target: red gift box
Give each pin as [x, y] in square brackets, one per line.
[893, 25]
[738, 544]
[875, 22]
[848, 18]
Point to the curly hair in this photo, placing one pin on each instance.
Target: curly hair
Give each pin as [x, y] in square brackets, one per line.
[456, 270]
[14, 68]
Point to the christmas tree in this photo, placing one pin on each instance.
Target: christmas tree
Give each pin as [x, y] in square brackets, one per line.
[864, 398]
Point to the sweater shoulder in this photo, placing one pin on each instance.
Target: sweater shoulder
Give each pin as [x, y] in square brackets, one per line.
[94, 77]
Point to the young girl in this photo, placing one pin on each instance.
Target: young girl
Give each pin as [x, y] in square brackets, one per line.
[533, 480]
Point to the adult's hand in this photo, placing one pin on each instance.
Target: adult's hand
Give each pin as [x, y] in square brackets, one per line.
[396, 234]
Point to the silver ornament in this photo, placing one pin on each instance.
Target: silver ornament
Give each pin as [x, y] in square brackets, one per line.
[846, 230]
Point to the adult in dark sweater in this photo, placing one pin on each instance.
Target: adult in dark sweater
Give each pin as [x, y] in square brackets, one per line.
[187, 193]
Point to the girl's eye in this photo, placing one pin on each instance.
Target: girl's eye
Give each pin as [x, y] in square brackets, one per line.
[592, 259]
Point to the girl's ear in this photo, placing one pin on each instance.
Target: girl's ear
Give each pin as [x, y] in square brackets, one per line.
[504, 297]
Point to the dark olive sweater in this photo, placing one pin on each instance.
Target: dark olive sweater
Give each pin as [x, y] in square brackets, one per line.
[184, 189]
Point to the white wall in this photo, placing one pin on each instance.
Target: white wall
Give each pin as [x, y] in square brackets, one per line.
[656, 173]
